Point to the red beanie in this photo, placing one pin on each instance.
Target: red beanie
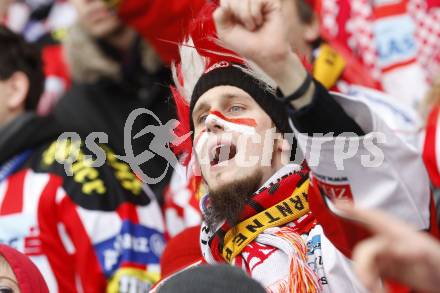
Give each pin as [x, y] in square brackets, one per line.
[28, 276]
[181, 251]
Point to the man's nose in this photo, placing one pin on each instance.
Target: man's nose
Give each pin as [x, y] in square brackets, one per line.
[213, 125]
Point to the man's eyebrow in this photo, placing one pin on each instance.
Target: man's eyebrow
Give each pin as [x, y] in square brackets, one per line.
[200, 108]
[224, 96]
[230, 96]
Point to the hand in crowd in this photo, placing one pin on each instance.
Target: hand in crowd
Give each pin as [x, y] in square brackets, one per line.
[395, 251]
[255, 30]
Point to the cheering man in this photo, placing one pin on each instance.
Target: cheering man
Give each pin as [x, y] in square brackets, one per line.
[263, 213]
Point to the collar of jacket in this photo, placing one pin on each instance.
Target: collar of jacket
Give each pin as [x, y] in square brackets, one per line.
[24, 132]
[88, 63]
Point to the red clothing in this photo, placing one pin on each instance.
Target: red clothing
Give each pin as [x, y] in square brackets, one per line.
[162, 23]
[93, 230]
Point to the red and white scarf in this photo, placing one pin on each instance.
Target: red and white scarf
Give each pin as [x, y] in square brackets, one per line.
[403, 60]
[267, 234]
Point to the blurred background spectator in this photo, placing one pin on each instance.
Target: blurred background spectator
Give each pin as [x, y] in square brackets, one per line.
[87, 227]
[44, 22]
[104, 58]
[113, 71]
[397, 42]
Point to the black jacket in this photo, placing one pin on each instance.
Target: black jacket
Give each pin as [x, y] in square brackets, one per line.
[40, 196]
[27, 131]
[104, 106]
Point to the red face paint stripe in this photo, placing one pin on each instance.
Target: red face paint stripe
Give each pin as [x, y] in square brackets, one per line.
[244, 121]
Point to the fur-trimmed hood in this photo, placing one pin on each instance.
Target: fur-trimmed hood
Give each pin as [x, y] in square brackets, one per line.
[87, 63]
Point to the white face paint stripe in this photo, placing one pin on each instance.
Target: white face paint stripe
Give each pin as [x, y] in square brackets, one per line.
[229, 126]
[201, 141]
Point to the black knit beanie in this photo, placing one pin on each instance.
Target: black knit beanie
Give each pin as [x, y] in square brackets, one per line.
[233, 75]
[211, 278]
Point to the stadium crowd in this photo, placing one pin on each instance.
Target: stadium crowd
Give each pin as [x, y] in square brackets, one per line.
[219, 146]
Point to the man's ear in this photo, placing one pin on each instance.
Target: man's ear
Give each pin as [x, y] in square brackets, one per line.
[19, 87]
[311, 30]
[283, 145]
[284, 149]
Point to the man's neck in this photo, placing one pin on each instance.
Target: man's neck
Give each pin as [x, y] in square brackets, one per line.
[283, 170]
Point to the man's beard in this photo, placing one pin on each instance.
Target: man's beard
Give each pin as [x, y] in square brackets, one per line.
[227, 202]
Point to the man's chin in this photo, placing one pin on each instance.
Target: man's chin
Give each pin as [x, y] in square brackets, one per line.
[220, 182]
[221, 177]
[228, 197]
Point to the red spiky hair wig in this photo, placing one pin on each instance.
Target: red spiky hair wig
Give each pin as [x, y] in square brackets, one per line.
[198, 54]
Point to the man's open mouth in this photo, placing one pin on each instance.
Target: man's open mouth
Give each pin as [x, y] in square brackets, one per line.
[221, 153]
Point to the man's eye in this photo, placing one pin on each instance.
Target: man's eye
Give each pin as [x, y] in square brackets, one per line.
[201, 120]
[236, 108]
[6, 290]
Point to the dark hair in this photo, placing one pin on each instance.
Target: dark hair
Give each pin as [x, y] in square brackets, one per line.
[18, 55]
[305, 11]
